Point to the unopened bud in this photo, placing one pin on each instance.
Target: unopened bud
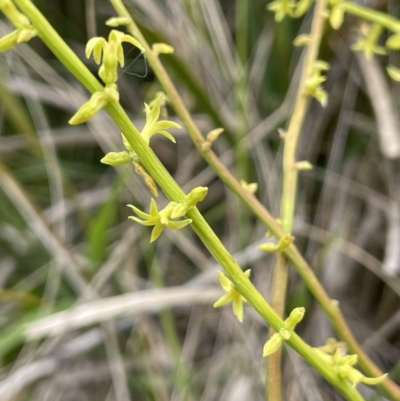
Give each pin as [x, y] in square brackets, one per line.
[116, 158]
[272, 345]
[214, 134]
[90, 108]
[195, 196]
[117, 21]
[295, 317]
[303, 165]
[162, 48]
[302, 40]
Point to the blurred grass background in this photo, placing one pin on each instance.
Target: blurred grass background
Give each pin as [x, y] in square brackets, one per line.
[65, 239]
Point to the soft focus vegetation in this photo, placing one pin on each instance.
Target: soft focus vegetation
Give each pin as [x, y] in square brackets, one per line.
[65, 238]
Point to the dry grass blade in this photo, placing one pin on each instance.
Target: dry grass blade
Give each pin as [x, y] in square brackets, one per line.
[127, 304]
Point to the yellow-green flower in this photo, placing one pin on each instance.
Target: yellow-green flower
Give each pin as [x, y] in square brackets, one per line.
[158, 219]
[110, 53]
[282, 8]
[276, 340]
[231, 295]
[334, 353]
[153, 126]
[368, 43]
[313, 85]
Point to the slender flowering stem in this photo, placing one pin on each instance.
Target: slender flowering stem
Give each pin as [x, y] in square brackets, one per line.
[175, 193]
[331, 308]
[288, 201]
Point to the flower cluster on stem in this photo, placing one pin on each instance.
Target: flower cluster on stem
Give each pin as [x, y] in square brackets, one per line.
[166, 217]
[334, 353]
[23, 32]
[108, 54]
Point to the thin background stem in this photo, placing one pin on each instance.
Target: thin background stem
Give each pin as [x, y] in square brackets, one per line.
[289, 190]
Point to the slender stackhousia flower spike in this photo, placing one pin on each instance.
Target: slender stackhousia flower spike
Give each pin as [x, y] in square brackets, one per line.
[231, 295]
[24, 30]
[368, 43]
[153, 126]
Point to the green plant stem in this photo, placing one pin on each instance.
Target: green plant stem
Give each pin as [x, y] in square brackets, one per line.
[330, 307]
[378, 17]
[289, 190]
[174, 192]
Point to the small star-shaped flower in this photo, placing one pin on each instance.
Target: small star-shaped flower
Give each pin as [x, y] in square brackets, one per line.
[158, 219]
[231, 295]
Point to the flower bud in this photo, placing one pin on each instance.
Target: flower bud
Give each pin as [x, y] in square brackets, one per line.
[393, 42]
[303, 165]
[18, 19]
[195, 196]
[295, 317]
[272, 345]
[9, 41]
[116, 158]
[214, 134]
[251, 187]
[162, 48]
[336, 17]
[117, 21]
[302, 40]
[394, 73]
[97, 101]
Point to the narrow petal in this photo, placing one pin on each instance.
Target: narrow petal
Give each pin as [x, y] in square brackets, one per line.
[154, 113]
[374, 380]
[120, 56]
[130, 39]
[165, 124]
[146, 223]
[226, 284]
[225, 299]
[176, 225]
[141, 214]
[153, 208]
[95, 45]
[237, 306]
[157, 230]
[167, 135]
